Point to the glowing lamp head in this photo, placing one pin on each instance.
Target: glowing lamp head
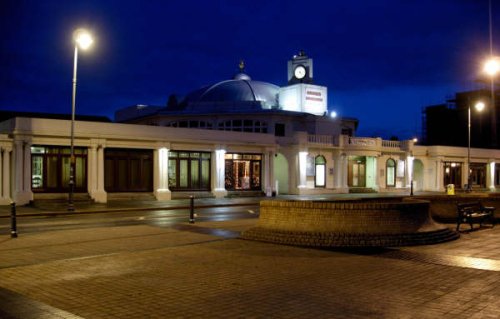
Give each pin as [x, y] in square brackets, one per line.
[333, 114]
[479, 106]
[492, 66]
[415, 140]
[83, 38]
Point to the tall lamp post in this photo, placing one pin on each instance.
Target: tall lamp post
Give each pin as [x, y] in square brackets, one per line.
[491, 68]
[479, 106]
[83, 39]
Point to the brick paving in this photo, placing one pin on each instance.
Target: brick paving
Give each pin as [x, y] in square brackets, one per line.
[179, 272]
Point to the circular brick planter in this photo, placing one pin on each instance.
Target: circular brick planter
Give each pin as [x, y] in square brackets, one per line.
[351, 223]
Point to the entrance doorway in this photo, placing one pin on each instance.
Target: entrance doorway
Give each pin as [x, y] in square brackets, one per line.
[281, 173]
[453, 174]
[357, 171]
[418, 175]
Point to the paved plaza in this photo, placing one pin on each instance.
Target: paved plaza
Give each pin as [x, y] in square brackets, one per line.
[205, 271]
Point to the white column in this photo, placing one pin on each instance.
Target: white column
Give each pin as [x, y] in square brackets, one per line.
[22, 173]
[2, 186]
[27, 169]
[18, 169]
[409, 170]
[269, 182]
[439, 184]
[220, 174]
[92, 169]
[302, 180]
[100, 195]
[161, 174]
[272, 179]
[267, 186]
[371, 172]
[490, 175]
[345, 172]
[5, 168]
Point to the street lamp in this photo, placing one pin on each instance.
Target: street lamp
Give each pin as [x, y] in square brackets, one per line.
[491, 68]
[479, 106]
[83, 39]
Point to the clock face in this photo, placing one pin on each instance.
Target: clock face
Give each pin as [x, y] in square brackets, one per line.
[300, 72]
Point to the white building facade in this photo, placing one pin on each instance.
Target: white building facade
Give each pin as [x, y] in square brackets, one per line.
[234, 137]
[114, 158]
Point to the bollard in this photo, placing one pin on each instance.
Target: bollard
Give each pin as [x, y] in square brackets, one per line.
[191, 209]
[13, 224]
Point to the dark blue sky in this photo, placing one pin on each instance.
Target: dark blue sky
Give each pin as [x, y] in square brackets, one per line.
[382, 61]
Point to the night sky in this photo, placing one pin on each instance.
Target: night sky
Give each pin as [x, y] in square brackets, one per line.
[382, 61]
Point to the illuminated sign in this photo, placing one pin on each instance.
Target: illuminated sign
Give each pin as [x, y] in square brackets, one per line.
[305, 98]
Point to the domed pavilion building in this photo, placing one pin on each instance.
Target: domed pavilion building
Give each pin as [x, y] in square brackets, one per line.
[235, 137]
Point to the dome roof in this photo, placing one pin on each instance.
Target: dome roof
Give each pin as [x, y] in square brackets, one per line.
[239, 91]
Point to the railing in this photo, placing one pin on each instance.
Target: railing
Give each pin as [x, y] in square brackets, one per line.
[321, 139]
[359, 142]
[391, 144]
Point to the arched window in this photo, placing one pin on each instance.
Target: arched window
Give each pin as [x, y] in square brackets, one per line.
[320, 171]
[391, 172]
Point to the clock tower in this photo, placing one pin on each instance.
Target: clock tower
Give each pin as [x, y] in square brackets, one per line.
[300, 95]
[300, 69]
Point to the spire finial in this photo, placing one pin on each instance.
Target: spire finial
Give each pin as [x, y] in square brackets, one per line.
[241, 66]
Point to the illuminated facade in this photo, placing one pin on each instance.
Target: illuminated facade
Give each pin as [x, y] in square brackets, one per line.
[236, 136]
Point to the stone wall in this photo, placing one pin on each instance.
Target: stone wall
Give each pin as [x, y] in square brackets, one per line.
[360, 222]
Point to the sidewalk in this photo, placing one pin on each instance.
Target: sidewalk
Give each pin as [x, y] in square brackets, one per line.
[186, 272]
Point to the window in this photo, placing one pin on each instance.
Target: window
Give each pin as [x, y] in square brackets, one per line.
[453, 174]
[128, 170]
[391, 173]
[189, 170]
[50, 169]
[243, 171]
[279, 129]
[478, 175]
[320, 171]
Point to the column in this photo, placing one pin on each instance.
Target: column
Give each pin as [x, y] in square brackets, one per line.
[409, 171]
[92, 169]
[2, 151]
[371, 172]
[219, 189]
[100, 195]
[161, 174]
[345, 172]
[272, 179]
[27, 171]
[22, 173]
[490, 175]
[439, 183]
[5, 168]
[6, 174]
[382, 172]
[18, 164]
[302, 180]
[269, 182]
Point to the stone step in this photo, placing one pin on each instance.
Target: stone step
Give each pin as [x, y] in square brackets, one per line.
[131, 196]
[362, 190]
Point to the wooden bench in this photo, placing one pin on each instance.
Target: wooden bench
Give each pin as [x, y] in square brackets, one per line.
[474, 212]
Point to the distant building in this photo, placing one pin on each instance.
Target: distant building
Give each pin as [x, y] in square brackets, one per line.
[446, 124]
